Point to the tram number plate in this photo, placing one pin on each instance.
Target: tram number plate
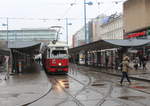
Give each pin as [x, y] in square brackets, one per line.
[59, 70]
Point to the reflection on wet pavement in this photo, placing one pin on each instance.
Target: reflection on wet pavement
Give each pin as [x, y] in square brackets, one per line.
[140, 87]
[131, 97]
[87, 88]
[98, 84]
[6, 95]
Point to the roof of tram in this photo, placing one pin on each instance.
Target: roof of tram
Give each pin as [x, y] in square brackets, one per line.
[108, 44]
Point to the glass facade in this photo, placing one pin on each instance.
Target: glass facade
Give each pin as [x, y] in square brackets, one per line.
[29, 35]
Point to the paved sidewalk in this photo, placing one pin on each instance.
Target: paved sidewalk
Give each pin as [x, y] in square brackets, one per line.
[138, 74]
[21, 89]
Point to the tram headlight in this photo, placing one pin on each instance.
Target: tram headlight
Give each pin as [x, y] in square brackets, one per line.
[59, 64]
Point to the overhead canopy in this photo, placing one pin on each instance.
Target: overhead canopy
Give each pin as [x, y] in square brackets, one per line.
[108, 44]
[128, 43]
[22, 44]
[28, 47]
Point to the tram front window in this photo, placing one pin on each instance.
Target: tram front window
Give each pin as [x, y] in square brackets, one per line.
[59, 53]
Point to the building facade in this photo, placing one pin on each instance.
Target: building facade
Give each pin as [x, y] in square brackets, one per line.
[79, 38]
[112, 27]
[108, 27]
[45, 35]
[97, 22]
[136, 19]
[90, 31]
[102, 27]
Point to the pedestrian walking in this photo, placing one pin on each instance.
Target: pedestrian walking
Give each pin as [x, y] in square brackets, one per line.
[144, 60]
[106, 61]
[125, 69]
[136, 61]
[140, 59]
[116, 62]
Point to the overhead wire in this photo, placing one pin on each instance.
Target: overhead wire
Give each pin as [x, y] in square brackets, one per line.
[41, 19]
[65, 13]
[103, 3]
[69, 9]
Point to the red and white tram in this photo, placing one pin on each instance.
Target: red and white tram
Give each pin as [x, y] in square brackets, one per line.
[55, 58]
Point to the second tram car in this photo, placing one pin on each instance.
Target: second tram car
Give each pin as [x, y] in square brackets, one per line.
[56, 59]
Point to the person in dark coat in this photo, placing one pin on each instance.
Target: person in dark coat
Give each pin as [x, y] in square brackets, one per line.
[144, 60]
[106, 61]
[136, 61]
[140, 59]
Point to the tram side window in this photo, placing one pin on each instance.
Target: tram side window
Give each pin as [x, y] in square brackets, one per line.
[48, 53]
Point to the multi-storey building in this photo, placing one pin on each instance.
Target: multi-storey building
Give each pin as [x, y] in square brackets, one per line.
[136, 19]
[90, 31]
[102, 27]
[108, 27]
[112, 27]
[97, 22]
[45, 35]
[79, 38]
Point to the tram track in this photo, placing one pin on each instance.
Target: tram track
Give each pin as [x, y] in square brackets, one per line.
[101, 101]
[73, 98]
[54, 80]
[105, 98]
[88, 86]
[119, 84]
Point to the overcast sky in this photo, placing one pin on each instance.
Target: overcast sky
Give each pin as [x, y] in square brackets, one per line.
[46, 13]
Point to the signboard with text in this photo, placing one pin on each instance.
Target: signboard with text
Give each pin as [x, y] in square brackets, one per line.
[136, 34]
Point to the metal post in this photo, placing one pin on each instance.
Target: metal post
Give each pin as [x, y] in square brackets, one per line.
[22, 36]
[7, 29]
[85, 29]
[67, 31]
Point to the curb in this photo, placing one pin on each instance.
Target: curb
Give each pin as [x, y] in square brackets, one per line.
[135, 78]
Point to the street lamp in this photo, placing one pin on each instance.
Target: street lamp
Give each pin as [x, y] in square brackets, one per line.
[85, 30]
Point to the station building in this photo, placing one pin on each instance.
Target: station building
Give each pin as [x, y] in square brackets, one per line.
[44, 35]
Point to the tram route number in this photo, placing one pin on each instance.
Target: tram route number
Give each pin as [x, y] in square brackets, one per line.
[59, 70]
